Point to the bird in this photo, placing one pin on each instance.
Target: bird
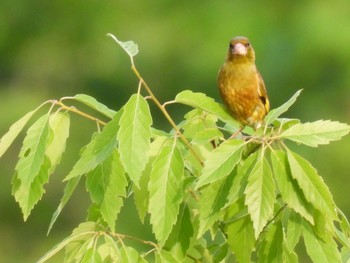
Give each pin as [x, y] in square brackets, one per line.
[241, 86]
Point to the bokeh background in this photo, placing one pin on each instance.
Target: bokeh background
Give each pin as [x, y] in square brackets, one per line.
[52, 49]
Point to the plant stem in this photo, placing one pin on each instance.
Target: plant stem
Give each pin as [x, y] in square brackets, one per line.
[166, 114]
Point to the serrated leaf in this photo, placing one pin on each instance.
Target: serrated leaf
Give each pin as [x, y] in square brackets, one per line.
[31, 156]
[294, 227]
[28, 196]
[134, 136]
[181, 234]
[106, 185]
[240, 233]
[165, 257]
[271, 249]
[213, 198]
[289, 188]
[315, 190]
[320, 251]
[94, 104]
[239, 183]
[141, 193]
[201, 101]
[165, 189]
[260, 194]
[221, 161]
[316, 133]
[15, 129]
[68, 191]
[129, 255]
[129, 46]
[275, 113]
[98, 149]
[59, 125]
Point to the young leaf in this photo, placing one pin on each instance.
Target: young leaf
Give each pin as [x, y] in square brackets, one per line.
[260, 194]
[33, 152]
[129, 46]
[315, 190]
[320, 251]
[134, 136]
[275, 113]
[201, 101]
[109, 188]
[141, 193]
[94, 104]
[212, 200]
[28, 195]
[13, 132]
[240, 233]
[289, 188]
[316, 133]
[59, 125]
[99, 149]
[165, 189]
[221, 161]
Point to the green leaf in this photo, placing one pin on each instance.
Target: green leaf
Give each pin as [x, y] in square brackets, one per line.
[94, 104]
[320, 251]
[260, 195]
[141, 193]
[134, 136]
[165, 188]
[13, 132]
[28, 196]
[165, 257]
[213, 198]
[31, 156]
[288, 186]
[68, 191]
[182, 232]
[106, 185]
[82, 233]
[271, 249]
[59, 125]
[239, 183]
[129, 254]
[85, 235]
[201, 101]
[221, 161]
[98, 149]
[129, 46]
[315, 190]
[240, 233]
[316, 133]
[275, 113]
[294, 227]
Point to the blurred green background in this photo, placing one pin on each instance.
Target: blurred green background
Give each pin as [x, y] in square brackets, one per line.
[59, 48]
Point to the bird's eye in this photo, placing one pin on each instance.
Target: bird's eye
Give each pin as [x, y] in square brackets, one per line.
[247, 44]
[231, 46]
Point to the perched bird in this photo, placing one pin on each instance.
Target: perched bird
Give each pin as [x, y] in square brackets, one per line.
[241, 85]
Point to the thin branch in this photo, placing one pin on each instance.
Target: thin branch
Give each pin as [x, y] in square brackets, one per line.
[165, 113]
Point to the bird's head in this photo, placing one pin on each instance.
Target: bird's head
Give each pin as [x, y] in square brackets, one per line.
[240, 50]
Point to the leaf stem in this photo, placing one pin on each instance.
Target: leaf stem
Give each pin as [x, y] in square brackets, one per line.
[75, 110]
[166, 114]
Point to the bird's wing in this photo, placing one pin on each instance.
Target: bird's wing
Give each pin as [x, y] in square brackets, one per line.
[263, 94]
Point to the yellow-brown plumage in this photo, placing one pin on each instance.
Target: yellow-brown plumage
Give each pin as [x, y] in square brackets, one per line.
[241, 85]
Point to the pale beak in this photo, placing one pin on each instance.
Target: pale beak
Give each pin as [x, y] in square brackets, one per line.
[239, 49]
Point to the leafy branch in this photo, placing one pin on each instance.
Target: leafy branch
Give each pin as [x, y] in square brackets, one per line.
[206, 196]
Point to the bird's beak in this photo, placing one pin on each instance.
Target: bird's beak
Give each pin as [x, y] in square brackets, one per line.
[239, 49]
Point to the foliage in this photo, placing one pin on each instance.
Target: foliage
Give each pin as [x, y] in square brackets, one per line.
[209, 197]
